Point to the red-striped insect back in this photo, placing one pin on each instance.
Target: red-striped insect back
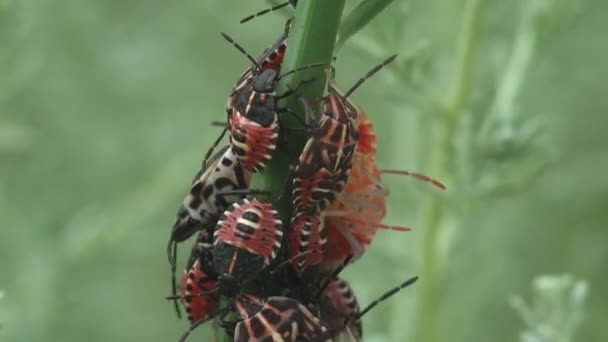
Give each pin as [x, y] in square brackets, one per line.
[325, 162]
[203, 204]
[247, 239]
[306, 235]
[356, 215]
[196, 281]
[323, 166]
[339, 310]
[253, 113]
[279, 319]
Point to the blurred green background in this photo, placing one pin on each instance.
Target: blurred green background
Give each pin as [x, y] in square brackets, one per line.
[104, 117]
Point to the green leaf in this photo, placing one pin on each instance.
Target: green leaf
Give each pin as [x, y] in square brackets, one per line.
[359, 17]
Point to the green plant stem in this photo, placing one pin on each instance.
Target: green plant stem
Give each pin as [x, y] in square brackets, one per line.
[434, 208]
[311, 40]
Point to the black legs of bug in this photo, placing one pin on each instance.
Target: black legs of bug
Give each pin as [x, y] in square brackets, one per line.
[293, 90]
[243, 192]
[222, 124]
[304, 67]
[172, 252]
[311, 120]
[220, 313]
[285, 263]
[215, 143]
[223, 323]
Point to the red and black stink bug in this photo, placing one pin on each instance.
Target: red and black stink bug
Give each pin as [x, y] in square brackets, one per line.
[201, 254]
[246, 240]
[280, 319]
[324, 164]
[204, 204]
[253, 113]
[339, 310]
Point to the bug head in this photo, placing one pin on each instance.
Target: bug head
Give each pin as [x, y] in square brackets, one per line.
[185, 225]
[229, 285]
[266, 81]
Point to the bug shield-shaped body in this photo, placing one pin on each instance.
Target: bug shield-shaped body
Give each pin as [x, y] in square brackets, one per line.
[281, 319]
[340, 310]
[246, 240]
[325, 162]
[195, 280]
[254, 123]
[202, 205]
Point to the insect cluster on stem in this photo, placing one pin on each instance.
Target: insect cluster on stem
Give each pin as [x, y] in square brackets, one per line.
[260, 277]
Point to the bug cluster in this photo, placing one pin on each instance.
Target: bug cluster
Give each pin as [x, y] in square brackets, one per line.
[261, 277]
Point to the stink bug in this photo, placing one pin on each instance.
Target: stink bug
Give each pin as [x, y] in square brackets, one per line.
[203, 204]
[201, 254]
[357, 213]
[339, 310]
[324, 164]
[253, 113]
[246, 240]
[281, 319]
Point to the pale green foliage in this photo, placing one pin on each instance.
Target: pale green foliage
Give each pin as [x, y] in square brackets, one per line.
[104, 117]
[556, 310]
[2, 313]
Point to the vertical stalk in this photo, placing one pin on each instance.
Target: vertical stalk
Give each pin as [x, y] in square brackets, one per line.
[311, 40]
[434, 208]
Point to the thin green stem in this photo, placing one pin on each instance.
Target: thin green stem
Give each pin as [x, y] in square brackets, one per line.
[434, 208]
[311, 40]
[467, 43]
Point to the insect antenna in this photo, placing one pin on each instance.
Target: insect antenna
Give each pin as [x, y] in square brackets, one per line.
[418, 176]
[267, 10]
[368, 75]
[386, 295]
[242, 50]
[196, 324]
